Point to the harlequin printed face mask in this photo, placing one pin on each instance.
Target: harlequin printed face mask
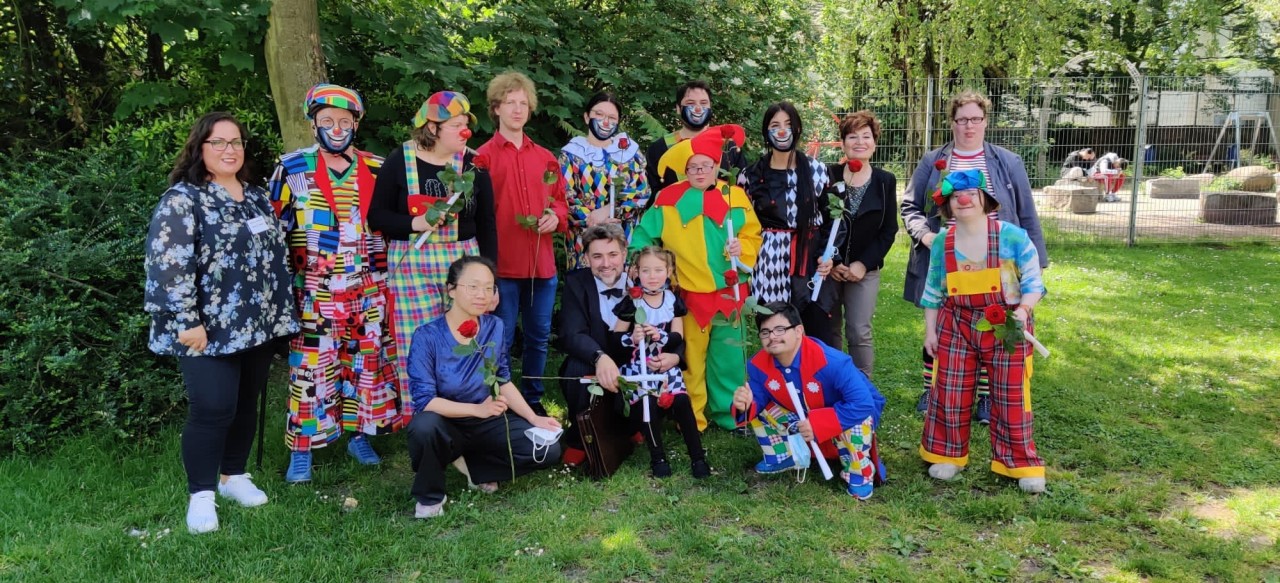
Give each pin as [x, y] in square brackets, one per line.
[782, 139]
[602, 129]
[696, 116]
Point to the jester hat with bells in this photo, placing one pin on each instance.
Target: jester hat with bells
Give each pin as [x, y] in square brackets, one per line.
[709, 143]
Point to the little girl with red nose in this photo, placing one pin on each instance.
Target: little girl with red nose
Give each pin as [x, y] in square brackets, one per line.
[650, 323]
[984, 274]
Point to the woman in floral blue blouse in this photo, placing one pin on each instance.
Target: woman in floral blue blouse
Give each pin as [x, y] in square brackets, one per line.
[218, 294]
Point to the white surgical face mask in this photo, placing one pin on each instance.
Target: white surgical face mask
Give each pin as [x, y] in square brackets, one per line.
[799, 449]
[542, 440]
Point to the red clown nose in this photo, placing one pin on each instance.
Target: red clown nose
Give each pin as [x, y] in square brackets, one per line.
[465, 133]
[964, 199]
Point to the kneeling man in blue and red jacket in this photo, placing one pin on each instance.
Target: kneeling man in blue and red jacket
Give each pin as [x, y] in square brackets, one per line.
[842, 408]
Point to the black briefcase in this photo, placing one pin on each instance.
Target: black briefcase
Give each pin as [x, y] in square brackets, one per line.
[605, 435]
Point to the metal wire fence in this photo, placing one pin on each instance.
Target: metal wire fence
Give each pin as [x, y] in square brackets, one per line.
[1201, 151]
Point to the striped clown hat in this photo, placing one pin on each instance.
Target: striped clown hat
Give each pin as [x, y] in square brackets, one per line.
[328, 95]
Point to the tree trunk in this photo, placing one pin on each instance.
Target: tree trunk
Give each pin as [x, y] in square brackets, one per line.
[295, 62]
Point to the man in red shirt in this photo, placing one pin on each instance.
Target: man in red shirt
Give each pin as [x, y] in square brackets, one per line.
[528, 192]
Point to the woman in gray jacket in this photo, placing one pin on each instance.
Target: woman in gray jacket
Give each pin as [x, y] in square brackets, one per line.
[1007, 177]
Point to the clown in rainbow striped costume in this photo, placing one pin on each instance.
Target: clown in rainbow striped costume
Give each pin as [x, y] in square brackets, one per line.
[341, 378]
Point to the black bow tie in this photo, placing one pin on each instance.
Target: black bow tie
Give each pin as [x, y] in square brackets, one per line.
[612, 293]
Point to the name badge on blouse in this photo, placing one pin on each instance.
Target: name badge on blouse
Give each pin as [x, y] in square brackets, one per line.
[257, 225]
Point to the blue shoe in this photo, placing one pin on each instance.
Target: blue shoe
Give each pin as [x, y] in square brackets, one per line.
[983, 414]
[861, 491]
[923, 404]
[764, 467]
[360, 449]
[299, 468]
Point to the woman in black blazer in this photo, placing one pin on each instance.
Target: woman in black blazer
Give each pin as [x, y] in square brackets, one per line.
[870, 225]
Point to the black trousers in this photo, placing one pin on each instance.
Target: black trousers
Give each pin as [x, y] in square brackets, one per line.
[435, 441]
[222, 392]
[682, 411]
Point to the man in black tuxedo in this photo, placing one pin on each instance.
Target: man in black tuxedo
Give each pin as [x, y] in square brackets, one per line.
[585, 322]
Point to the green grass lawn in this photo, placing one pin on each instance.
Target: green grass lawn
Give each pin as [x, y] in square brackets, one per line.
[1157, 416]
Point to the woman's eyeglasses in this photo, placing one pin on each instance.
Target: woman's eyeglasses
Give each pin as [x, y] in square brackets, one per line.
[221, 145]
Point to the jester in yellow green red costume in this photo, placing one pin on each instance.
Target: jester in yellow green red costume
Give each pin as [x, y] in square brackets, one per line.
[707, 230]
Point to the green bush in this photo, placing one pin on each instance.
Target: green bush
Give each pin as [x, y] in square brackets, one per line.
[73, 347]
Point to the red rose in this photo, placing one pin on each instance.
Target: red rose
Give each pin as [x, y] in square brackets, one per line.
[469, 329]
[938, 200]
[855, 165]
[635, 293]
[465, 133]
[481, 161]
[941, 164]
[726, 132]
[553, 166]
[731, 277]
[665, 400]
[994, 314]
[624, 144]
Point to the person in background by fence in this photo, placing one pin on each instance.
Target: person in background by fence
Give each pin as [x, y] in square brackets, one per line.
[218, 294]
[869, 229]
[1077, 163]
[1003, 171]
[1109, 171]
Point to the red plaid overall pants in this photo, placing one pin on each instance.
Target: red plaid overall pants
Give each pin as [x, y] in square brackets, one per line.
[962, 350]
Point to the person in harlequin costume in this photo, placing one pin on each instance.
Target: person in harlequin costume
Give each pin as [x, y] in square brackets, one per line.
[590, 164]
[842, 407]
[983, 264]
[341, 378]
[691, 219]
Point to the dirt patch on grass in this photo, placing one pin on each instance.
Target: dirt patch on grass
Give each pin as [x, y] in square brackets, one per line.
[1251, 516]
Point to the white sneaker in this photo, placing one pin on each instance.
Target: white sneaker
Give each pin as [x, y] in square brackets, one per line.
[1031, 485]
[421, 510]
[202, 513]
[241, 489]
[943, 471]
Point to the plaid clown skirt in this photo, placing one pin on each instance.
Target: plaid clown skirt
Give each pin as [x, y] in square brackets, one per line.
[416, 280]
[854, 445]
